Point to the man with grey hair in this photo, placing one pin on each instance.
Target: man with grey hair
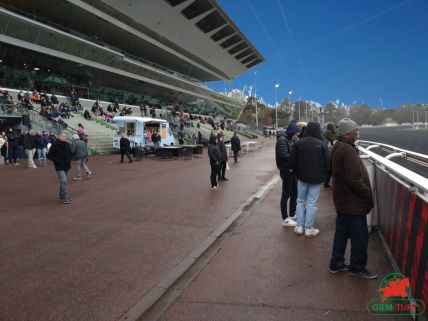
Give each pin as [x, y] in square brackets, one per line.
[60, 155]
[79, 150]
[353, 200]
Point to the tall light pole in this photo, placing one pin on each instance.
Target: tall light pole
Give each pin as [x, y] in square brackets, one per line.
[425, 119]
[276, 107]
[290, 118]
[255, 97]
[306, 106]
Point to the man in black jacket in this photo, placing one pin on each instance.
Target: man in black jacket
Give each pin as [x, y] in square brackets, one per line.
[214, 155]
[223, 159]
[60, 155]
[12, 143]
[310, 159]
[125, 147]
[235, 146]
[30, 148]
[283, 148]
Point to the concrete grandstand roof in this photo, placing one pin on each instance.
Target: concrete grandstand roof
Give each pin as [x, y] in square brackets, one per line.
[192, 37]
[200, 27]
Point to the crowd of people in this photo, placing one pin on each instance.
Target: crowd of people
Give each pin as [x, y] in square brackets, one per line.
[31, 145]
[108, 114]
[37, 147]
[306, 159]
[218, 157]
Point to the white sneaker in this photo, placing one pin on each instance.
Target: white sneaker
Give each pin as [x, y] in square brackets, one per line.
[293, 217]
[288, 222]
[298, 230]
[214, 189]
[312, 232]
[77, 178]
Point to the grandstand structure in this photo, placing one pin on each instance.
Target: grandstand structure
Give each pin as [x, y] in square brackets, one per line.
[155, 51]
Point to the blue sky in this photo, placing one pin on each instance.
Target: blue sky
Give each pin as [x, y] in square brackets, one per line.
[372, 51]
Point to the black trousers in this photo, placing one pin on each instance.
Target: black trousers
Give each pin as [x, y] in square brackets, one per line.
[222, 169]
[214, 173]
[355, 228]
[327, 179]
[123, 153]
[235, 155]
[289, 191]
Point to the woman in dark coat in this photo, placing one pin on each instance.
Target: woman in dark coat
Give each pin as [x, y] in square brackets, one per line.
[214, 154]
[236, 146]
[223, 160]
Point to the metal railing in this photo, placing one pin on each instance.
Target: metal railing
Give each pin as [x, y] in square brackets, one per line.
[418, 158]
[414, 182]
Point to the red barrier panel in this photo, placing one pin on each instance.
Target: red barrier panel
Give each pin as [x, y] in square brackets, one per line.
[403, 222]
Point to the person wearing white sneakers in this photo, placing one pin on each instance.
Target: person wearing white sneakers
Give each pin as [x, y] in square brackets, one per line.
[310, 159]
[283, 148]
[353, 199]
[79, 150]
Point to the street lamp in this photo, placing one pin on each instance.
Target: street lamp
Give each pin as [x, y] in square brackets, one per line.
[276, 107]
[290, 117]
[255, 97]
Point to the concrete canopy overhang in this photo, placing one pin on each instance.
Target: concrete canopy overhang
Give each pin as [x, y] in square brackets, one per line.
[195, 26]
[151, 30]
[35, 36]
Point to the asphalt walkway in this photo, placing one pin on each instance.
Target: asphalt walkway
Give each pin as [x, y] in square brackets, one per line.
[126, 229]
[264, 271]
[131, 227]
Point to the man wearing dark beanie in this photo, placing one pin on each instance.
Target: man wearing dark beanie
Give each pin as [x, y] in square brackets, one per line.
[353, 200]
[283, 148]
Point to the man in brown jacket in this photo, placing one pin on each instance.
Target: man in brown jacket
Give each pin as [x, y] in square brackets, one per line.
[353, 200]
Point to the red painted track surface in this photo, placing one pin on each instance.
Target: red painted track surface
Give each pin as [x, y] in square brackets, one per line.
[131, 224]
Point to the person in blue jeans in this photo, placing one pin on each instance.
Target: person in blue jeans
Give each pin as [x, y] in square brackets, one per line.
[353, 199]
[310, 160]
[60, 155]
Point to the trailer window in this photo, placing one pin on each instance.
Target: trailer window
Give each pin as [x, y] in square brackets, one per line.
[130, 129]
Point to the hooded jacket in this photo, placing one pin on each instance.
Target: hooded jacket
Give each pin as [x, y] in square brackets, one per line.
[213, 150]
[330, 133]
[283, 148]
[310, 158]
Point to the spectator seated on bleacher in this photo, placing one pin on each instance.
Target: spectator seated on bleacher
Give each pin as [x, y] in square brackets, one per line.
[61, 121]
[64, 111]
[116, 108]
[21, 96]
[5, 98]
[107, 117]
[35, 97]
[54, 99]
[86, 115]
[49, 114]
[125, 111]
[43, 102]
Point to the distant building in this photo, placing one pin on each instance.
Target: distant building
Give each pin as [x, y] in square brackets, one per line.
[390, 122]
